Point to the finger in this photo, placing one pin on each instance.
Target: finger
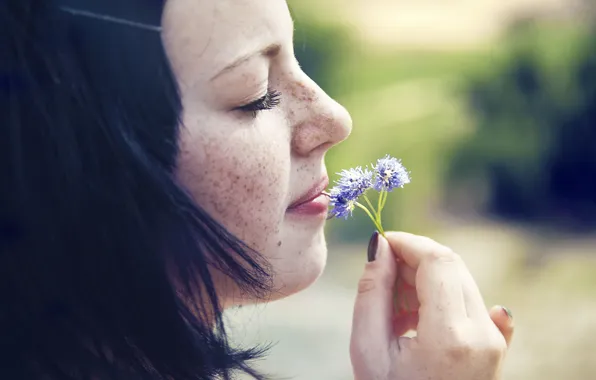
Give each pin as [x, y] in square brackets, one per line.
[407, 299]
[438, 279]
[413, 249]
[407, 274]
[405, 289]
[503, 319]
[474, 301]
[417, 250]
[373, 310]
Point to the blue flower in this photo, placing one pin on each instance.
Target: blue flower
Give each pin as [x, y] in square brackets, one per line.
[342, 206]
[354, 182]
[350, 186]
[390, 174]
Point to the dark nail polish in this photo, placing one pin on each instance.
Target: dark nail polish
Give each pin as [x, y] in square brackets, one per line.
[372, 247]
[507, 311]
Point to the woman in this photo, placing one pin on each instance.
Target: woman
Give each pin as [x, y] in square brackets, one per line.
[163, 161]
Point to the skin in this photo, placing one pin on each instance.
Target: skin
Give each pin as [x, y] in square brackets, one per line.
[457, 338]
[246, 171]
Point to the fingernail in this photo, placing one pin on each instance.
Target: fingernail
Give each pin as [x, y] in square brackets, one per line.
[372, 246]
[507, 311]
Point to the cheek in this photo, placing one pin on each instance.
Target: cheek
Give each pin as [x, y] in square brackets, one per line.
[239, 177]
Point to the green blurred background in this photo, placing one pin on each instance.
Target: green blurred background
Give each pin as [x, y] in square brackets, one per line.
[492, 107]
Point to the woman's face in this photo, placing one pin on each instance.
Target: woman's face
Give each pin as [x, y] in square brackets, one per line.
[253, 171]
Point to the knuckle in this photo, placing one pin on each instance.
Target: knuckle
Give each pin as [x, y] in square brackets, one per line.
[493, 352]
[499, 344]
[442, 253]
[366, 285]
[457, 344]
[437, 251]
[488, 350]
[458, 351]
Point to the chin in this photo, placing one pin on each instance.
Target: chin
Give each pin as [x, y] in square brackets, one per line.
[299, 265]
[296, 264]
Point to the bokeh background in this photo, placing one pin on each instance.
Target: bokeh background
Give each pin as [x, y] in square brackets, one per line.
[492, 106]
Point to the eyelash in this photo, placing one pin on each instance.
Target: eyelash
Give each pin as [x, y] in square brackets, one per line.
[268, 101]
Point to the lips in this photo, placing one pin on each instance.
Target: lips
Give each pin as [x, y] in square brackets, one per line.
[311, 195]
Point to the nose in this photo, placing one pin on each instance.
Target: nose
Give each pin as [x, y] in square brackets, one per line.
[319, 122]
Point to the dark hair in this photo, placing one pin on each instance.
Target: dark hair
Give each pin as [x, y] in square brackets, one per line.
[92, 220]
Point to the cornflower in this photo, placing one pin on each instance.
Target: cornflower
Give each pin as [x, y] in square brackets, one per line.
[386, 175]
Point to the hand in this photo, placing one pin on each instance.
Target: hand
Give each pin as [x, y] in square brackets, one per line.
[457, 338]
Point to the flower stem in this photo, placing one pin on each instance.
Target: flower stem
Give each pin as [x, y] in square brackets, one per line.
[374, 212]
[377, 214]
[379, 227]
[380, 207]
[383, 195]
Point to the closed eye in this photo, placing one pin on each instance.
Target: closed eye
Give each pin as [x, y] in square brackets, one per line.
[268, 101]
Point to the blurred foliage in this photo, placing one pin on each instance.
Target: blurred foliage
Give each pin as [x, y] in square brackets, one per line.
[508, 122]
[535, 142]
[318, 46]
[395, 101]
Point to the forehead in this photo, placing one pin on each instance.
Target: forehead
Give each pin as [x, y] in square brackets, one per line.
[211, 34]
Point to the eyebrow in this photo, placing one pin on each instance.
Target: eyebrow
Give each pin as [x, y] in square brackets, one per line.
[270, 51]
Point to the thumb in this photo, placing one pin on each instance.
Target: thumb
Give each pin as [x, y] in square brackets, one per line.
[372, 327]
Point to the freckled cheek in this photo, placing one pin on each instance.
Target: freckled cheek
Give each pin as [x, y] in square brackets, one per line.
[245, 189]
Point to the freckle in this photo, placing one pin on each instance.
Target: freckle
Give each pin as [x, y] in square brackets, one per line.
[279, 243]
